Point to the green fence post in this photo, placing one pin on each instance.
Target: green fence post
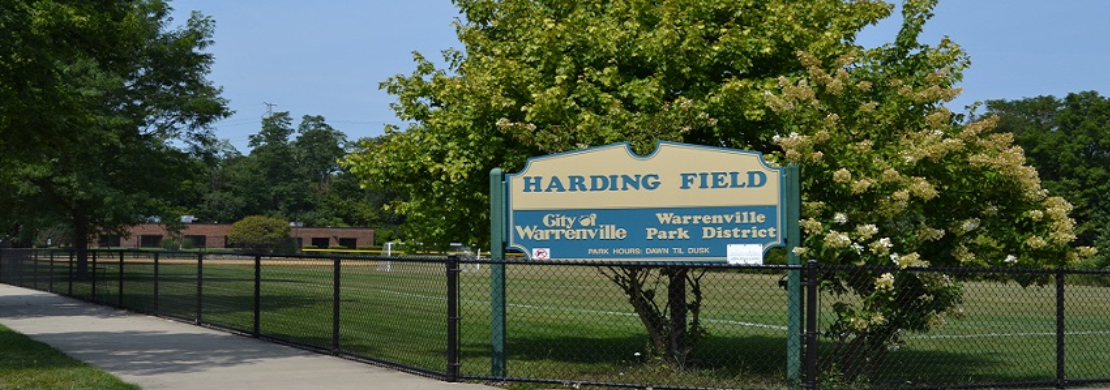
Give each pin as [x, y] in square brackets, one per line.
[794, 278]
[497, 271]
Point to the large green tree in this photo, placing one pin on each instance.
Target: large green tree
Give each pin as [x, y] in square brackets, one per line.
[220, 198]
[318, 148]
[549, 76]
[94, 130]
[274, 185]
[1068, 141]
[360, 206]
[294, 173]
[42, 39]
[888, 172]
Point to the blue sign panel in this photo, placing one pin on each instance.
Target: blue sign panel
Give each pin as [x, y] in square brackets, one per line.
[656, 234]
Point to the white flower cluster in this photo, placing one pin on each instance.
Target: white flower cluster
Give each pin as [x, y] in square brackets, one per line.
[1086, 251]
[923, 189]
[1036, 215]
[1036, 242]
[885, 282]
[865, 232]
[963, 255]
[881, 246]
[1063, 227]
[861, 185]
[910, 260]
[837, 239]
[796, 147]
[926, 233]
[504, 124]
[971, 224]
[966, 226]
[812, 226]
[791, 139]
[857, 247]
[862, 322]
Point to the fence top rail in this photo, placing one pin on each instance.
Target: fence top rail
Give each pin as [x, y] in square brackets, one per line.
[631, 264]
[246, 255]
[966, 270]
[582, 262]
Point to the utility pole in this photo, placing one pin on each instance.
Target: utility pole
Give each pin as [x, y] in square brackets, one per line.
[269, 109]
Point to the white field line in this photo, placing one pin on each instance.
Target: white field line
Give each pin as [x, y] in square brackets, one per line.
[1019, 334]
[744, 323]
[573, 310]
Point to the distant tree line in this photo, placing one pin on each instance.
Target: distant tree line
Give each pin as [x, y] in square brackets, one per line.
[290, 173]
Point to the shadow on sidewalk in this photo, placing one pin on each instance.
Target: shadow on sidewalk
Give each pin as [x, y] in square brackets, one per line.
[34, 305]
[112, 339]
[153, 353]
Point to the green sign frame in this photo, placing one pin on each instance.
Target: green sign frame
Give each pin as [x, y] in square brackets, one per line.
[581, 176]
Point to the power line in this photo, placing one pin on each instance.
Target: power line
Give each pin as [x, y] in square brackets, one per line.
[236, 122]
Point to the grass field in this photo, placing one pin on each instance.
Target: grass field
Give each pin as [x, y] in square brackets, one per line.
[29, 364]
[569, 322]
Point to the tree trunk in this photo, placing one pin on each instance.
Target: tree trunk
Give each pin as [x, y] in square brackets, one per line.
[676, 301]
[632, 281]
[670, 331]
[858, 357]
[81, 245]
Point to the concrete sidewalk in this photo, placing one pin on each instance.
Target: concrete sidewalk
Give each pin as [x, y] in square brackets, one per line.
[157, 354]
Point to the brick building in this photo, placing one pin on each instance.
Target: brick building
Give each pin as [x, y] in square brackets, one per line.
[206, 235]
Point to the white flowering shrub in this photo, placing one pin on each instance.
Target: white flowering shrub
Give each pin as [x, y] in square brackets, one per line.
[890, 177]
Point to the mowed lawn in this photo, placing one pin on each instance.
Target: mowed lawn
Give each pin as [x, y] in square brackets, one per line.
[29, 364]
[570, 322]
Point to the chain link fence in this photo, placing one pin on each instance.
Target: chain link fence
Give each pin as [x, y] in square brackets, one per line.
[632, 325]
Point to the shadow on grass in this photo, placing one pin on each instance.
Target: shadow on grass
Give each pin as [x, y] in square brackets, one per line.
[752, 360]
[608, 358]
[911, 368]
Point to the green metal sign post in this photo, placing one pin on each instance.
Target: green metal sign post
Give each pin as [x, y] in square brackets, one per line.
[497, 270]
[793, 277]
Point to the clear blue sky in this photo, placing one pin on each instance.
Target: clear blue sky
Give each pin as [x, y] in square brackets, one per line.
[327, 57]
